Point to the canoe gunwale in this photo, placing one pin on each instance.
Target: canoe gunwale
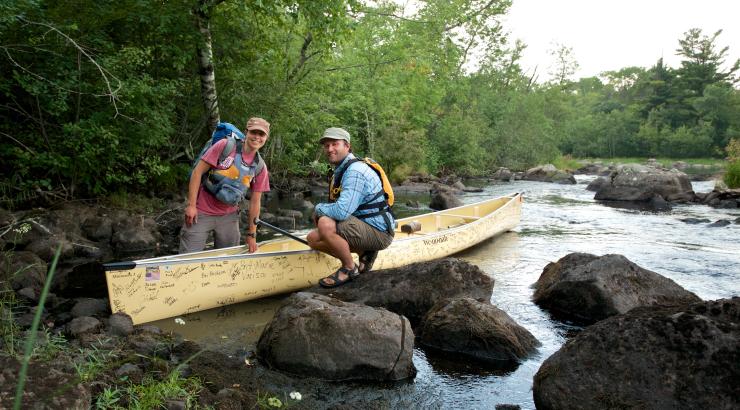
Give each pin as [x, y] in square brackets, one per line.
[416, 236]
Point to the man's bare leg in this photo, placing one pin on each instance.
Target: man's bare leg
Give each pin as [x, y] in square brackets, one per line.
[325, 239]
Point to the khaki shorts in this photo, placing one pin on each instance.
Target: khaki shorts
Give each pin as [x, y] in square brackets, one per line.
[361, 236]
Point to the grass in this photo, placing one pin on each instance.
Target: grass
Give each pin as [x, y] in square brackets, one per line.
[567, 163]
[135, 203]
[89, 363]
[732, 176]
[31, 340]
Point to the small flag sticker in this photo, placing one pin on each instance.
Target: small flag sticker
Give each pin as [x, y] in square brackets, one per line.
[152, 274]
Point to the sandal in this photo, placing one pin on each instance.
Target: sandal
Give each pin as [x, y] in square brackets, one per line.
[367, 259]
[351, 274]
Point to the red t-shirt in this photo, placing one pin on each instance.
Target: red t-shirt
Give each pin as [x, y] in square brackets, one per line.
[207, 203]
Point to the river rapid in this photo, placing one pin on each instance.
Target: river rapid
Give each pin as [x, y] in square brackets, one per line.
[556, 220]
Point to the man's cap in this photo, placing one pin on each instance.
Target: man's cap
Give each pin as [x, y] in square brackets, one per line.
[256, 123]
[335, 134]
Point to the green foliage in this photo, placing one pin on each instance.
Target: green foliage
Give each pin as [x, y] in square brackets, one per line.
[102, 98]
[732, 175]
[153, 393]
[95, 360]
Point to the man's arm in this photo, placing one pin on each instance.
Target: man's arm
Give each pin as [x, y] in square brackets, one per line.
[191, 212]
[254, 212]
[353, 190]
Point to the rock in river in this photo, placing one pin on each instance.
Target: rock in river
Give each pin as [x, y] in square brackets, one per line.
[587, 288]
[412, 290]
[318, 336]
[476, 330]
[680, 357]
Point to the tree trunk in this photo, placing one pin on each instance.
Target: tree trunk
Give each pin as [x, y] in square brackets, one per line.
[205, 65]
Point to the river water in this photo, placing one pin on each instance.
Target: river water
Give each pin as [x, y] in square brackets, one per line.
[556, 220]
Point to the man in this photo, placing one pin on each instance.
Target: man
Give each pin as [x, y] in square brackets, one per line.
[205, 212]
[357, 217]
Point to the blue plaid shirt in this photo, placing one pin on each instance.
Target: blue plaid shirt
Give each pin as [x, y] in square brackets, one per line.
[359, 184]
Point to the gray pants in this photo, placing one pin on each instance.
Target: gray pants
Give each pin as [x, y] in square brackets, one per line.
[225, 232]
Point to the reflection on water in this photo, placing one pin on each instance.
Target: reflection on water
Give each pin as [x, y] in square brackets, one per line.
[556, 220]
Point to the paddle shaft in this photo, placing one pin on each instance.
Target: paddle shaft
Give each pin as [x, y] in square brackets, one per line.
[258, 222]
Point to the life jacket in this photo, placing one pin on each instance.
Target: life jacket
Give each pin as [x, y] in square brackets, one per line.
[229, 185]
[382, 207]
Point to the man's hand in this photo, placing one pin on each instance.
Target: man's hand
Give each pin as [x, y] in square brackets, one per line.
[191, 215]
[252, 244]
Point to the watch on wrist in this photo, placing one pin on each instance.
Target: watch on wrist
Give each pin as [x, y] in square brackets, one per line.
[252, 234]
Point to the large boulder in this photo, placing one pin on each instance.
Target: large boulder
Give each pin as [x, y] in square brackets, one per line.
[443, 197]
[412, 290]
[680, 357]
[318, 336]
[22, 269]
[587, 288]
[548, 173]
[476, 330]
[634, 182]
[503, 174]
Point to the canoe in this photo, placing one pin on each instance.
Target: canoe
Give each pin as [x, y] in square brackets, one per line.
[158, 288]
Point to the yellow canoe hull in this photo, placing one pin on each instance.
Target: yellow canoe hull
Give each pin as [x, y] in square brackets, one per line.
[158, 288]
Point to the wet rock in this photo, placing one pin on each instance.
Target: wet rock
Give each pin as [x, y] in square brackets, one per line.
[679, 357]
[290, 213]
[48, 386]
[548, 173]
[412, 290]
[737, 221]
[84, 324]
[633, 182]
[23, 269]
[90, 307]
[503, 174]
[592, 169]
[29, 293]
[726, 204]
[285, 222]
[408, 187]
[268, 217]
[719, 224]
[46, 247]
[587, 288]
[338, 340]
[131, 372]
[97, 228]
[597, 184]
[413, 204]
[657, 203]
[443, 200]
[507, 407]
[476, 330]
[694, 221]
[135, 235]
[84, 279]
[120, 324]
[149, 345]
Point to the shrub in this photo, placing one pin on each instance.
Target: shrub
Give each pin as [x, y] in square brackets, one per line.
[732, 175]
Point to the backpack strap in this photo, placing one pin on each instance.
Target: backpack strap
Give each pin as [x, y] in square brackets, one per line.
[231, 143]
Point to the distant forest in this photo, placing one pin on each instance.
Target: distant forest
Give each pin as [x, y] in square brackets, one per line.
[104, 96]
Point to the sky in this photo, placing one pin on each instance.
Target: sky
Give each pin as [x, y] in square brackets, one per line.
[607, 35]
